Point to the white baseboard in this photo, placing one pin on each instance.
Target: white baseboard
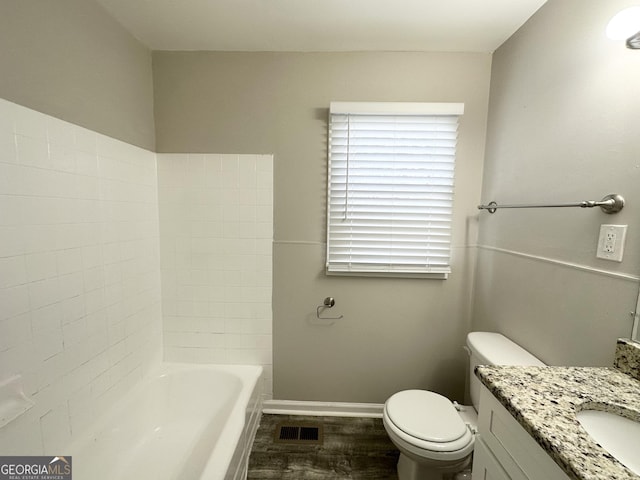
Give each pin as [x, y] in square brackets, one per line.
[322, 409]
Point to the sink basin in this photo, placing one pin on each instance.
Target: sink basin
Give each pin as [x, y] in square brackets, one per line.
[618, 435]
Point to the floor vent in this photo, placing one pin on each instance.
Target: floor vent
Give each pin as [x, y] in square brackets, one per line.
[301, 433]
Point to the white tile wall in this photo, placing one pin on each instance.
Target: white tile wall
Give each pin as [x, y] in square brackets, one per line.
[80, 315]
[216, 231]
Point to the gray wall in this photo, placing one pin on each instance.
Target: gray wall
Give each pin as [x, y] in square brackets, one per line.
[69, 59]
[563, 126]
[396, 333]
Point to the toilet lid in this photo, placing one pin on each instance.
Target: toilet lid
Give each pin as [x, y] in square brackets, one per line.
[425, 415]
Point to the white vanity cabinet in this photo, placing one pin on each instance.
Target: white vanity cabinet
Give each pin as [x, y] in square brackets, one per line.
[505, 451]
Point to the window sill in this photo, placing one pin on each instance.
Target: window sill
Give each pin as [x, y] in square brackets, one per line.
[428, 276]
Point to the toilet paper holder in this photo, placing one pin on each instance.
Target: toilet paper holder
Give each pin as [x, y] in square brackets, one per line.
[329, 302]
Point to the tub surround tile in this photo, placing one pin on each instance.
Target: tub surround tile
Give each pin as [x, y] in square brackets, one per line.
[545, 400]
[216, 258]
[80, 316]
[627, 358]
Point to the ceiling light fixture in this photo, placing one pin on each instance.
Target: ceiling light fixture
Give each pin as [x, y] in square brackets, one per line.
[626, 25]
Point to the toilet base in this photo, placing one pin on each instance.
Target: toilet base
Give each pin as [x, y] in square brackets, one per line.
[409, 469]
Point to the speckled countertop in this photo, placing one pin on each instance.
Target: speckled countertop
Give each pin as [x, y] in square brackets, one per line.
[545, 401]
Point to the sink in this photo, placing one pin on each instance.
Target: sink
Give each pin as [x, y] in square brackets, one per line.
[618, 435]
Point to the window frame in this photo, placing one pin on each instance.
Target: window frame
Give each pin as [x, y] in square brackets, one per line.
[392, 109]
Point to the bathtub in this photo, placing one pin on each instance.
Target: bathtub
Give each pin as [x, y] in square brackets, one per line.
[183, 422]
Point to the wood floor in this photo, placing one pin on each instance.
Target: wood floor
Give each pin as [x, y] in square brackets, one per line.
[352, 448]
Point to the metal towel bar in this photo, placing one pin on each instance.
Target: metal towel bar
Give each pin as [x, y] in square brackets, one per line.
[612, 203]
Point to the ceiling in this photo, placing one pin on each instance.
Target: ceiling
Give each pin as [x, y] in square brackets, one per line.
[323, 25]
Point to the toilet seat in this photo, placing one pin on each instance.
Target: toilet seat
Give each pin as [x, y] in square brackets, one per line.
[429, 422]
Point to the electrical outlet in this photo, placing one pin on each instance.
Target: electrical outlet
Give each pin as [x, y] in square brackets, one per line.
[611, 242]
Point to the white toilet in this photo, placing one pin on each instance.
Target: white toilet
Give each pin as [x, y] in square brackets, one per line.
[436, 436]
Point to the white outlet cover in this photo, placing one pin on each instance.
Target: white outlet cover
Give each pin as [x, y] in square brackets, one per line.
[611, 242]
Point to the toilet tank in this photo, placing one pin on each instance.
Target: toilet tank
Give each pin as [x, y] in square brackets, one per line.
[487, 348]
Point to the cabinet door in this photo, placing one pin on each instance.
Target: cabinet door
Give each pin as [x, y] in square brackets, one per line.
[509, 443]
[485, 465]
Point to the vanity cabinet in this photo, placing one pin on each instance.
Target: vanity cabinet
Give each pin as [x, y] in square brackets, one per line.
[505, 451]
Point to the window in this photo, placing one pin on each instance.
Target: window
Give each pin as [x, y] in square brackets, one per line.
[390, 188]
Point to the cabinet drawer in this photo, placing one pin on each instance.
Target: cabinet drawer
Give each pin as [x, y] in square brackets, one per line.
[519, 454]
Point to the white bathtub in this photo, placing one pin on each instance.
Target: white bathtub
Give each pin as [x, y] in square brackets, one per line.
[183, 422]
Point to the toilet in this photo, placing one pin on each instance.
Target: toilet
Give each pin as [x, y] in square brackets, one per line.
[436, 436]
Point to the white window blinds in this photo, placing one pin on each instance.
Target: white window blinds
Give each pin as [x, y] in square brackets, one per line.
[390, 188]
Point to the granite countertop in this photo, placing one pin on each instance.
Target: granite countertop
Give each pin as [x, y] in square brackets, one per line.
[545, 400]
